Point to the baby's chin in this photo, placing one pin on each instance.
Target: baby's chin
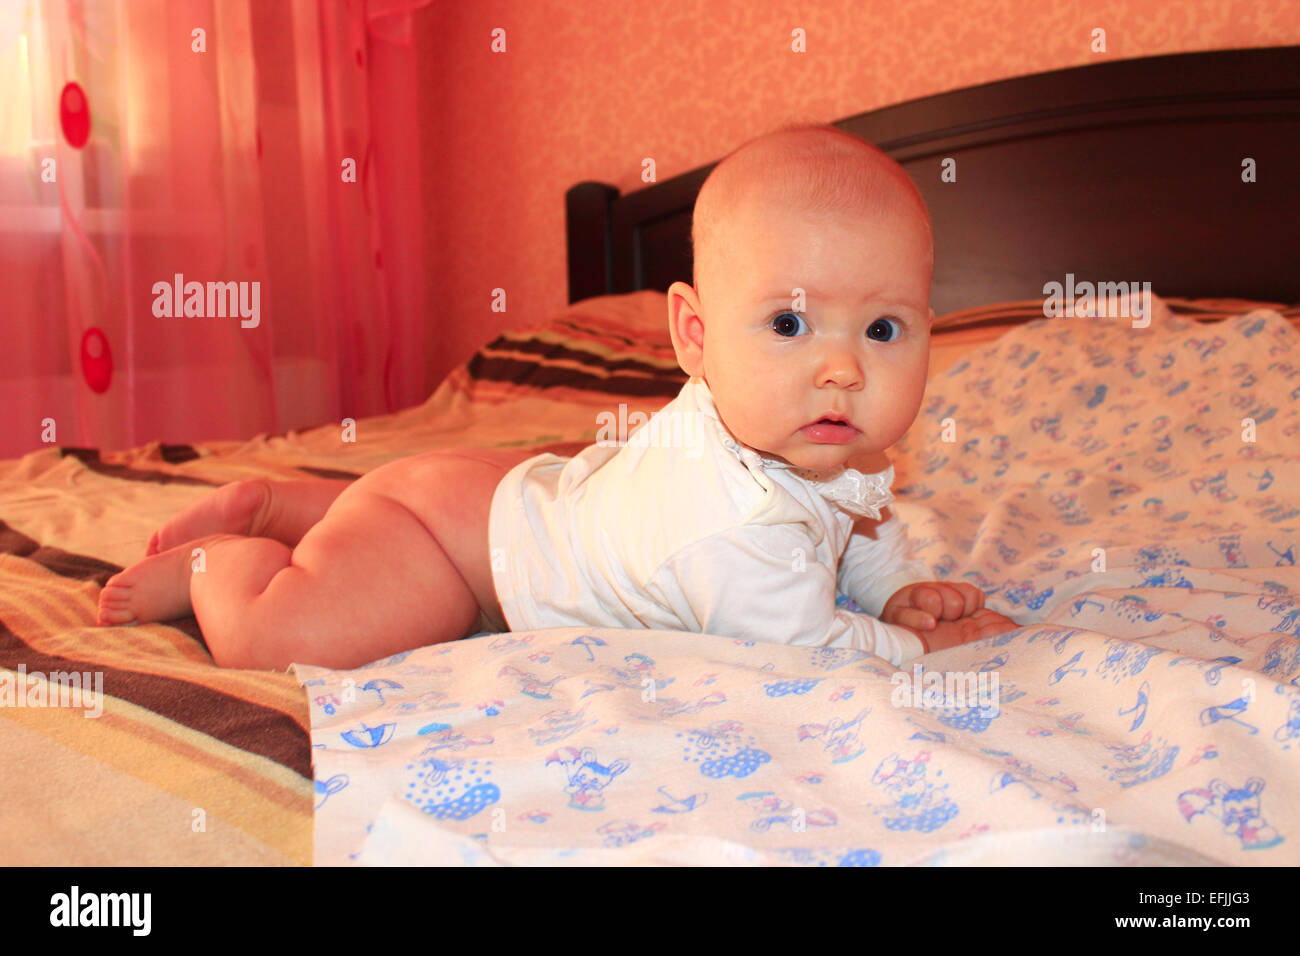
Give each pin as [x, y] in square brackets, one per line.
[815, 457]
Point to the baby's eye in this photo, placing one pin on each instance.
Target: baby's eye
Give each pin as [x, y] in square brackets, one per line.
[787, 324]
[879, 330]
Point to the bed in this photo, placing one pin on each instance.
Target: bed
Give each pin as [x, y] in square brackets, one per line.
[1103, 491]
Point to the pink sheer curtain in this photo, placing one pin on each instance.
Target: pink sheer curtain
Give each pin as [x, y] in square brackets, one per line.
[265, 154]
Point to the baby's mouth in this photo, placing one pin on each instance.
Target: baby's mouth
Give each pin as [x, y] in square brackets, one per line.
[834, 418]
[830, 430]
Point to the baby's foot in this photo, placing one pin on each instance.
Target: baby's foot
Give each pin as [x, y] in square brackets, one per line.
[230, 509]
[155, 589]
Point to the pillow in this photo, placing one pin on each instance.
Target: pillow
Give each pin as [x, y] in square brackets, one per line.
[608, 345]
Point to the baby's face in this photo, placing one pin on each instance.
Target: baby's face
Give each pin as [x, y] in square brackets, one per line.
[857, 347]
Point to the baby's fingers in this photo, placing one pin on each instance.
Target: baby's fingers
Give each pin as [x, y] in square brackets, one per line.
[989, 623]
[950, 601]
[914, 618]
[971, 596]
[937, 599]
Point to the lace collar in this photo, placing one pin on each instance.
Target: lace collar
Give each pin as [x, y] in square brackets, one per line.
[857, 493]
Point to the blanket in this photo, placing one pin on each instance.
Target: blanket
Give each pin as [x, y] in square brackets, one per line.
[1126, 495]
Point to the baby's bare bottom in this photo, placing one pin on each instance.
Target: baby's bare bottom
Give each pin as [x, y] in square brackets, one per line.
[398, 560]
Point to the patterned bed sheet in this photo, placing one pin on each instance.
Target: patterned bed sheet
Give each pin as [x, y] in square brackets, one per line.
[1127, 496]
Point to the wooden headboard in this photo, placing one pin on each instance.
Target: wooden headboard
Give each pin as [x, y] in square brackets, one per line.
[1124, 171]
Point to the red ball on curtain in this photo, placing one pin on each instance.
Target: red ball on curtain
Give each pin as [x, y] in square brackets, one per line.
[74, 115]
[96, 360]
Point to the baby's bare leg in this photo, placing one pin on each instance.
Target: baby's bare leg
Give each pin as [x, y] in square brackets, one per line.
[399, 560]
[293, 507]
[258, 508]
[368, 580]
[158, 588]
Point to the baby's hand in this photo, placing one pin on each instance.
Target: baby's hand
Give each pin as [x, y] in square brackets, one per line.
[944, 614]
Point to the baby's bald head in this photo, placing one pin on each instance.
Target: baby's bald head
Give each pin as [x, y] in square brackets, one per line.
[819, 170]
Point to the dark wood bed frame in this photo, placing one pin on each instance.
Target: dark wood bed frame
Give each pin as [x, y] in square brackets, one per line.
[1123, 171]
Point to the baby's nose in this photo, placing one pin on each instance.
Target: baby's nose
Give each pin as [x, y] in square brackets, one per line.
[841, 367]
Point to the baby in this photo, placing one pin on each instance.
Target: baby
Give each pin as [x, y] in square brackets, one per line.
[806, 336]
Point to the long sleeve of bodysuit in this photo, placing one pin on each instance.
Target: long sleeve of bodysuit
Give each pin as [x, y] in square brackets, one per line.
[872, 570]
[760, 583]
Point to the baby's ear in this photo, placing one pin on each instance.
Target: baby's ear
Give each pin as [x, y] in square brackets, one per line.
[686, 327]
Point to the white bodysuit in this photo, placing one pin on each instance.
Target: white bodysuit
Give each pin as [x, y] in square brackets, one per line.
[684, 528]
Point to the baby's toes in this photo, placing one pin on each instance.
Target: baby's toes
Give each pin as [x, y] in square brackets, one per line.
[152, 547]
[115, 604]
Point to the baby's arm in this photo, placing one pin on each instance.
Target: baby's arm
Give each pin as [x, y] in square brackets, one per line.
[763, 583]
[873, 568]
[882, 578]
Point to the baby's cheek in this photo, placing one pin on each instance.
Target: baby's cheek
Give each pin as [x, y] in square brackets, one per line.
[915, 390]
[904, 405]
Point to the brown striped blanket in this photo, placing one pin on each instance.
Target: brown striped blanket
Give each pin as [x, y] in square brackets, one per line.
[126, 745]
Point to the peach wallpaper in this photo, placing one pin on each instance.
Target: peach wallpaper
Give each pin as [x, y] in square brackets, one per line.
[588, 90]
